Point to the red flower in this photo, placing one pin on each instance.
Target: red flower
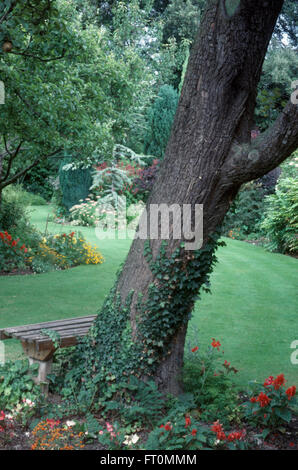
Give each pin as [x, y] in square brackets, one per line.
[195, 349]
[279, 381]
[291, 392]
[2, 415]
[14, 243]
[52, 423]
[236, 436]
[2, 235]
[263, 400]
[215, 344]
[218, 429]
[253, 400]
[71, 234]
[168, 427]
[194, 432]
[187, 421]
[269, 381]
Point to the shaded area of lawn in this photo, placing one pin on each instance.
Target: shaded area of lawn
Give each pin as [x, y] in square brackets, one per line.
[252, 310]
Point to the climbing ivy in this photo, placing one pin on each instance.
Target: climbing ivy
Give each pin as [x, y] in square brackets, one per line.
[110, 353]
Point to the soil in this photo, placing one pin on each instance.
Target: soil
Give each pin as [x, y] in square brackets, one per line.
[20, 438]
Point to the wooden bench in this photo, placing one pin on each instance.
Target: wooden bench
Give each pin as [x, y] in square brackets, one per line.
[40, 347]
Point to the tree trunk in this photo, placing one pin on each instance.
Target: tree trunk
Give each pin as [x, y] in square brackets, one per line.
[208, 157]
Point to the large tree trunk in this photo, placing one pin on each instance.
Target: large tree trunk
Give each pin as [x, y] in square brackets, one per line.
[208, 157]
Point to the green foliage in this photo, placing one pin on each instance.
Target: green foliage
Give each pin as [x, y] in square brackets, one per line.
[13, 207]
[206, 375]
[16, 384]
[159, 317]
[243, 220]
[183, 433]
[281, 220]
[160, 120]
[280, 69]
[74, 184]
[100, 89]
[270, 404]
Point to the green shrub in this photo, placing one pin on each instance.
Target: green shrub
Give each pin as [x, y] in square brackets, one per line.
[280, 224]
[17, 385]
[13, 253]
[245, 216]
[160, 120]
[13, 207]
[74, 184]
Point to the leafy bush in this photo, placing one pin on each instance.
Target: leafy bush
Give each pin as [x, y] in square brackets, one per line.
[183, 434]
[280, 224]
[207, 376]
[245, 216]
[74, 183]
[160, 120]
[142, 185]
[17, 385]
[13, 207]
[270, 403]
[13, 254]
[63, 251]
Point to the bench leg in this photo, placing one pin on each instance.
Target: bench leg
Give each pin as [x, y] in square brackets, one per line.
[44, 369]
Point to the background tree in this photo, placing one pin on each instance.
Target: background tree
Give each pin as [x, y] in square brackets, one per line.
[55, 72]
[160, 120]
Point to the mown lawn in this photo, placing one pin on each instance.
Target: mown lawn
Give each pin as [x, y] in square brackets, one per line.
[252, 310]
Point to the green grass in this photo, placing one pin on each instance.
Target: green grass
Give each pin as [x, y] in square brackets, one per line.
[252, 309]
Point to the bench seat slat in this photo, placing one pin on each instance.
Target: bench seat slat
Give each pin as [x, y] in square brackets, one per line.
[60, 330]
[46, 325]
[44, 338]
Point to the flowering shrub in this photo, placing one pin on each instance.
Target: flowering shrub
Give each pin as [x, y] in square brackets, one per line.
[234, 440]
[270, 403]
[85, 213]
[207, 376]
[66, 250]
[51, 435]
[13, 253]
[112, 436]
[18, 392]
[6, 427]
[184, 433]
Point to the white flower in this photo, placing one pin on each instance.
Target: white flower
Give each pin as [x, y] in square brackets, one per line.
[70, 423]
[129, 440]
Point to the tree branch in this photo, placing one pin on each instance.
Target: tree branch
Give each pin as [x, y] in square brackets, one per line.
[10, 9]
[12, 156]
[266, 152]
[25, 170]
[24, 54]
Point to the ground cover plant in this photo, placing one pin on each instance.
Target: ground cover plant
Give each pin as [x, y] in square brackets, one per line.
[168, 105]
[214, 413]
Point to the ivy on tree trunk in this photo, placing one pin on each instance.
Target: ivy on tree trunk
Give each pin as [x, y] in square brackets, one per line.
[208, 157]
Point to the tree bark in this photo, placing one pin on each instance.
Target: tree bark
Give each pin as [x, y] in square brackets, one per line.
[210, 153]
